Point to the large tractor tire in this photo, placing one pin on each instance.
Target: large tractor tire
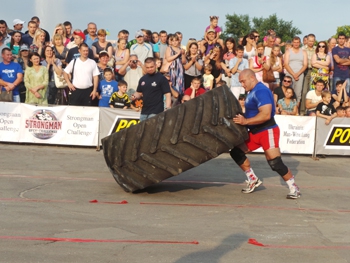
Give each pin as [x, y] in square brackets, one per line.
[175, 140]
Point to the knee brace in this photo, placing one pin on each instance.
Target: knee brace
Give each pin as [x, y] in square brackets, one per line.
[238, 155]
[278, 166]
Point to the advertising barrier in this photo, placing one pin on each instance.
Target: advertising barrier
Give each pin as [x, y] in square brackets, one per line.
[10, 121]
[333, 139]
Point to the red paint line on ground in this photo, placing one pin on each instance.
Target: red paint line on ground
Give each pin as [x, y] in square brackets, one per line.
[254, 242]
[61, 201]
[248, 206]
[79, 240]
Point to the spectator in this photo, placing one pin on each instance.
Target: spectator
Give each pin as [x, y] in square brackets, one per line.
[259, 62]
[237, 64]
[84, 82]
[249, 46]
[36, 80]
[122, 55]
[132, 71]
[347, 111]
[61, 30]
[52, 64]
[324, 109]
[241, 100]
[155, 38]
[175, 55]
[106, 87]
[287, 105]
[208, 78]
[101, 44]
[11, 74]
[47, 35]
[59, 49]
[331, 44]
[339, 96]
[152, 87]
[17, 26]
[229, 53]
[341, 57]
[69, 33]
[313, 98]
[215, 59]
[23, 59]
[276, 65]
[30, 33]
[120, 99]
[213, 26]
[74, 52]
[163, 36]
[91, 36]
[141, 49]
[340, 111]
[320, 65]
[207, 46]
[148, 39]
[195, 89]
[194, 64]
[279, 92]
[295, 62]
[15, 44]
[38, 42]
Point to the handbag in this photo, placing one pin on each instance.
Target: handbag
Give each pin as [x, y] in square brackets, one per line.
[60, 82]
[268, 75]
[6, 95]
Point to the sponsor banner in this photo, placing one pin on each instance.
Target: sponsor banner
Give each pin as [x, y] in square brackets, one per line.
[333, 139]
[10, 121]
[297, 134]
[59, 125]
[114, 120]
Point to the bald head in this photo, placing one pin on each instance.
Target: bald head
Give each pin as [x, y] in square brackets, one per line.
[248, 79]
[247, 73]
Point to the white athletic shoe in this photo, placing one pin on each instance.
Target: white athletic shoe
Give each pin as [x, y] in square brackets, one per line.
[251, 185]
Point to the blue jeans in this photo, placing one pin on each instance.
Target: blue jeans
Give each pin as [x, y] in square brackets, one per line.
[335, 79]
[16, 98]
[144, 117]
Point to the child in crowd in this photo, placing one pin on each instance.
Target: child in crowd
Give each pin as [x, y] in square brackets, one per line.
[325, 109]
[287, 105]
[221, 83]
[214, 25]
[106, 88]
[347, 111]
[339, 96]
[241, 100]
[208, 78]
[120, 99]
[340, 111]
[195, 90]
[158, 64]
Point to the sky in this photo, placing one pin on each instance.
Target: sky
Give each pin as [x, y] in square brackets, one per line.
[190, 17]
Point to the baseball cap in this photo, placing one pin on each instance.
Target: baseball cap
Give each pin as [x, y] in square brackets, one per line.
[24, 47]
[210, 30]
[103, 53]
[139, 33]
[80, 33]
[18, 21]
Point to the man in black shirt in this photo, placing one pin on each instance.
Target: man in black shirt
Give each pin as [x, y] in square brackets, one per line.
[74, 53]
[151, 88]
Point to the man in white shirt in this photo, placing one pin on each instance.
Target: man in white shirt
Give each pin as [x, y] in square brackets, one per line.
[84, 81]
[142, 49]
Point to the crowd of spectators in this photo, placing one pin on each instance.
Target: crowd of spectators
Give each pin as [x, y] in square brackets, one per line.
[81, 67]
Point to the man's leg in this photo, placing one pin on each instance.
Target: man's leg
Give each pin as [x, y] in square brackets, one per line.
[273, 157]
[239, 156]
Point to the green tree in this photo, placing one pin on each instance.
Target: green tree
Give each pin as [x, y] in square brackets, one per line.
[344, 29]
[238, 25]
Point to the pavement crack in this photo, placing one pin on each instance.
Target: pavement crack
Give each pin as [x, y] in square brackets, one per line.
[21, 194]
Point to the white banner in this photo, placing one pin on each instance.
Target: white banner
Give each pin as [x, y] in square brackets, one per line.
[10, 121]
[297, 134]
[59, 125]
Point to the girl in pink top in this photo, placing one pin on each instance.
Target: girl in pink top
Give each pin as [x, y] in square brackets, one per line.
[214, 26]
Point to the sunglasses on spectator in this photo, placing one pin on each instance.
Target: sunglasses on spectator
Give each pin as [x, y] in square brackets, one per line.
[251, 37]
[288, 81]
[322, 46]
[256, 36]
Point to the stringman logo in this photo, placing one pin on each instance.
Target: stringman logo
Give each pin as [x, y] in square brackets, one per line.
[43, 124]
[123, 123]
[338, 137]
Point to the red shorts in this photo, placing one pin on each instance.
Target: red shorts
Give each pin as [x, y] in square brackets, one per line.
[267, 139]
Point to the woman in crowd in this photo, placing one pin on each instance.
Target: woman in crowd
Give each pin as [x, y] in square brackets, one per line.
[52, 64]
[23, 59]
[15, 44]
[229, 53]
[249, 46]
[59, 49]
[102, 44]
[155, 38]
[175, 56]
[287, 105]
[36, 79]
[38, 42]
[259, 62]
[215, 59]
[61, 30]
[122, 55]
[320, 62]
[276, 65]
[194, 64]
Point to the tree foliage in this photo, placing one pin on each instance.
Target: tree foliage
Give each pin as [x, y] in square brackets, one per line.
[240, 25]
[343, 29]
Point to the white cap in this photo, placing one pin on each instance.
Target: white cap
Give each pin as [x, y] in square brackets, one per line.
[18, 21]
